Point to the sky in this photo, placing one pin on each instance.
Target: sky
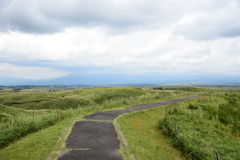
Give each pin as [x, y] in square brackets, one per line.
[47, 39]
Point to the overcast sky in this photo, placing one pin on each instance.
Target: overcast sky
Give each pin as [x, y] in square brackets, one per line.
[46, 39]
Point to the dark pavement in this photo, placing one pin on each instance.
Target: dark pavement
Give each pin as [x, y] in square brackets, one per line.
[92, 134]
[91, 155]
[155, 104]
[108, 115]
[97, 140]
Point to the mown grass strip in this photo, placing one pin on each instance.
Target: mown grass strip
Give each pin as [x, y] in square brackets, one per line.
[143, 136]
[124, 145]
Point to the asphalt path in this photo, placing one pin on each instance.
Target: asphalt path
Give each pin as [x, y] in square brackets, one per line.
[94, 138]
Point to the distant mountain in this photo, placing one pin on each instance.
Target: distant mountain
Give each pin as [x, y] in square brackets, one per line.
[9, 81]
[111, 79]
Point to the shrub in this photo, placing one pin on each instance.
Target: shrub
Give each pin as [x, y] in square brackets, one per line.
[201, 133]
[191, 106]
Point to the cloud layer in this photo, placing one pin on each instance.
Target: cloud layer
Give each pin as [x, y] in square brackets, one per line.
[9, 70]
[54, 16]
[119, 36]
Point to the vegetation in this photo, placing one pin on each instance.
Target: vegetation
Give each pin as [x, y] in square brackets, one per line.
[198, 128]
[189, 89]
[67, 99]
[17, 123]
[142, 134]
[29, 113]
[37, 146]
[205, 126]
[229, 112]
[158, 88]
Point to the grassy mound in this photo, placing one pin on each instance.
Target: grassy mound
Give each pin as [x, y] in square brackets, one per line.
[200, 129]
[67, 99]
[16, 123]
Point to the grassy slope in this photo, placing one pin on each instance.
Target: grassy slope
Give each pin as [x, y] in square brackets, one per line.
[54, 104]
[29, 99]
[200, 131]
[143, 137]
[35, 146]
[142, 133]
[37, 141]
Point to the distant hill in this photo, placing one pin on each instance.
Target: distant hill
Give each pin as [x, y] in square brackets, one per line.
[8, 81]
[114, 79]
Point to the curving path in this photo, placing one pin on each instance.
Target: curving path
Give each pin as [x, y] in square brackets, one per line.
[94, 138]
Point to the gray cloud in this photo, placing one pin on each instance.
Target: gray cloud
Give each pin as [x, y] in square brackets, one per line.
[218, 18]
[55, 15]
[222, 21]
[131, 36]
[26, 18]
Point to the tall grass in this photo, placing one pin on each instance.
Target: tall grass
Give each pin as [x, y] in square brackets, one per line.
[13, 128]
[205, 126]
[67, 99]
[17, 122]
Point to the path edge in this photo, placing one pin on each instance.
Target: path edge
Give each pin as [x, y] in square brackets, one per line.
[123, 139]
[120, 133]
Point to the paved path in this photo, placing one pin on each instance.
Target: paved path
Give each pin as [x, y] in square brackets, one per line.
[95, 138]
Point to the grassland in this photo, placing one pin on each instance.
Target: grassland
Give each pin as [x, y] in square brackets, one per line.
[206, 126]
[144, 139]
[27, 113]
[197, 128]
[35, 122]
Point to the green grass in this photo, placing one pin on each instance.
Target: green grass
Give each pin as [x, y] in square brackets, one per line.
[67, 99]
[49, 112]
[201, 128]
[204, 125]
[143, 137]
[35, 146]
[18, 123]
[197, 90]
[188, 89]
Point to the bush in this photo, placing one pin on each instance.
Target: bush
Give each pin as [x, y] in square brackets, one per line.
[191, 106]
[229, 112]
[201, 133]
[15, 128]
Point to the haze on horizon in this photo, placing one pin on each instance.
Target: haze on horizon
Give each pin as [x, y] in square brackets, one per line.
[54, 38]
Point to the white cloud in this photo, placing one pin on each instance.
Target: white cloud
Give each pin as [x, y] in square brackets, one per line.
[218, 21]
[29, 72]
[121, 36]
[138, 52]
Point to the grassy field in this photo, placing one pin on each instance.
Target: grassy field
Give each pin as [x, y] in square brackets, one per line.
[144, 139]
[35, 122]
[37, 146]
[27, 113]
[204, 126]
[193, 129]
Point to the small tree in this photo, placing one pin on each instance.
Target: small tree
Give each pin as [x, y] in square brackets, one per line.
[17, 89]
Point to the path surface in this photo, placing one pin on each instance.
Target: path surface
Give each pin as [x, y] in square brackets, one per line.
[95, 138]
